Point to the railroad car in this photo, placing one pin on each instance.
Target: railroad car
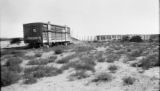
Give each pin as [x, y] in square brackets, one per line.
[40, 34]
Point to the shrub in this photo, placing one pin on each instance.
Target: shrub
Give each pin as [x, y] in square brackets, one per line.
[84, 48]
[42, 71]
[150, 61]
[8, 77]
[29, 79]
[112, 57]
[13, 64]
[101, 59]
[79, 75]
[83, 64]
[13, 61]
[128, 80]
[38, 54]
[112, 68]
[136, 39]
[58, 51]
[52, 58]
[14, 52]
[136, 52]
[15, 41]
[65, 59]
[102, 77]
[38, 62]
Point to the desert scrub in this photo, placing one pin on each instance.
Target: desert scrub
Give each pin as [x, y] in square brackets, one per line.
[112, 68]
[38, 55]
[84, 48]
[13, 61]
[102, 77]
[39, 62]
[14, 52]
[82, 64]
[112, 57]
[80, 74]
[13, 64]
[65, 59]
[136, 52]
[149, 61]
[29, 79]
[52, 58]
[128, 80]
[42, 71]
[8, 77]
[58, 51]
[101, 59]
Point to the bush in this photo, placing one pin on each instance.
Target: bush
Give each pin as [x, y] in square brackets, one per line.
[13, 64]
[136, 53]
[128, 80]
[39, 62]
[13, 61]
[102, 77]
[42, 71]
[52, 58]
[79, 75]
[112, 68]
[84, 48]
[8, 77]
[101, 59]
[58, 51]
[38, 54]
[15, 41]
[29, 79]
[65, 59]
[83, 64]
[150, 61]
[136, 39]
[112, 57]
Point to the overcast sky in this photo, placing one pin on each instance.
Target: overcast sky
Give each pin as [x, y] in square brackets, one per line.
[84, 17]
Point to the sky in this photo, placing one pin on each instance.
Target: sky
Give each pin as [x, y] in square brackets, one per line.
[84, 17]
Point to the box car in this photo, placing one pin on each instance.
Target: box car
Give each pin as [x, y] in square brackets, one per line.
[46, 33]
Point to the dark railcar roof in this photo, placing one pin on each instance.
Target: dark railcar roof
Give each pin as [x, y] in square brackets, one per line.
[43, 23]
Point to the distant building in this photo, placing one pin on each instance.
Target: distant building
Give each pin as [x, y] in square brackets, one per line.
[119, 37]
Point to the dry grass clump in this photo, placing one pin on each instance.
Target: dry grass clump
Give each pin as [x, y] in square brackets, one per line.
[82, 64]
[101, 59]
[128, 80]
[65, 59]
[38, 55]
[8, 77]
[18, 53]
[40, 61]
[135, 52]
[13, 64]
[29, 79]
[10, 71]
[102, 77]
[80, 74]
[112, 57]
[58, 51]
[52, 59]
[149, 61]
[31, 74]
[84, 48]
[113, 68]
[41, 71]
